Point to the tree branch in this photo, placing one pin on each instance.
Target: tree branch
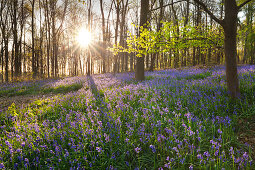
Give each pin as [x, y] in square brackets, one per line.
[167, 5]
[209, 12]
[244, 3]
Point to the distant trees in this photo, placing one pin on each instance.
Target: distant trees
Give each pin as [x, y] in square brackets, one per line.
[30, 29]
[248, 34]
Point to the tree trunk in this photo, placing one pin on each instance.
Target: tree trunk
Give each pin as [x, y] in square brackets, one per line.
[33, 41]
[6, 60]
[2, 61]
[89, 52]
[230, 31]
[117, 6]
[104, 36]
[139, 74]
[41, 41]
[15, 39]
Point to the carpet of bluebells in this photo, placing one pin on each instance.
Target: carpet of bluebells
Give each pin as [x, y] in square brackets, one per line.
[175, 119]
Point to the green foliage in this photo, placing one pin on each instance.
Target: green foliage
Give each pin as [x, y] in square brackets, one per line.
[62, 88]
[171, 37]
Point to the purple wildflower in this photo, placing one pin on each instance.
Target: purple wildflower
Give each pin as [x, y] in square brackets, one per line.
[245, 156]
[137, 149]
[2, 166]
[199, 156]
[153, 148]
[231, 150]
[99, 149]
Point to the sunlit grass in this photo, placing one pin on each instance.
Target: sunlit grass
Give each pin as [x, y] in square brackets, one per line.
[62, 88]
[37, 88]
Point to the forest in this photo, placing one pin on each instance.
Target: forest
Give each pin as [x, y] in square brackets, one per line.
[127, 84]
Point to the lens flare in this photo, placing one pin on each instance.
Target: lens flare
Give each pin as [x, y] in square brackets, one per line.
[84, 37]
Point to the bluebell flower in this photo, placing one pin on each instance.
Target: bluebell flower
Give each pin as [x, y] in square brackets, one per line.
[99, 149]
[26, 160]
[2, 166]
[231, 150]
[153, 148]
[245, 156]
[199, 156]
[137, 149]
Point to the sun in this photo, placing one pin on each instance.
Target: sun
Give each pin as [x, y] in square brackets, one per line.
[84, 37]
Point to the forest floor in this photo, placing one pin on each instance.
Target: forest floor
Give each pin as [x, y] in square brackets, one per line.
[174, 119]
[21, 101]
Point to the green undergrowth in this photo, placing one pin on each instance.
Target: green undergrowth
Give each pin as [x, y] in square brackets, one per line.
[19, 91]
[62, 88]
[36, 89]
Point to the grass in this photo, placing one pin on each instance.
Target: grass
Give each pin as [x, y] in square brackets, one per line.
[165, 122]
[18, 91]
[62, 88]
[36, 89]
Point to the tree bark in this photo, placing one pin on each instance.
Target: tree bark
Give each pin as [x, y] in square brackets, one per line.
[15, 38]
[117, 7]
[33, 41]
[89, 53]
[6, 42]
[230, 31]
[139, 74]
[104, 36]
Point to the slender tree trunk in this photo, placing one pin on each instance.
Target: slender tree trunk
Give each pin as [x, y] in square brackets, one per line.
[22, 23]
[54, 39]
[117, 6]
[89, 52]
[33, 41]
[15, 39]
[12, 62]
[2, 61]
[104, 36]
[177, 34]
[185, 24]
[139, 74]
[6, 59]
